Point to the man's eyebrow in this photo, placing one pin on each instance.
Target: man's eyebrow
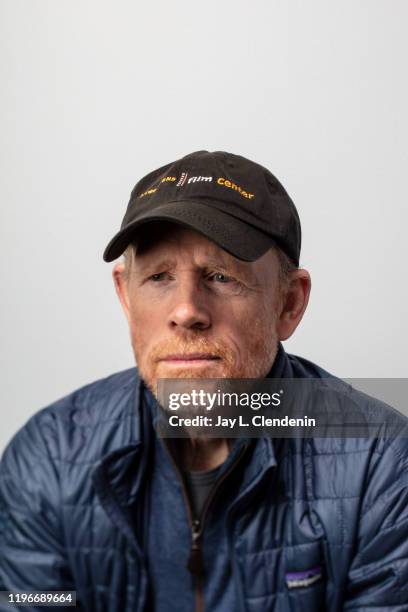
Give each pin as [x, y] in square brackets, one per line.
[217, 262]
[145, 267]
[231, 267]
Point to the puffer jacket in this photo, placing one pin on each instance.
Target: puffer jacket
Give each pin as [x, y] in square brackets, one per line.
[315, 524]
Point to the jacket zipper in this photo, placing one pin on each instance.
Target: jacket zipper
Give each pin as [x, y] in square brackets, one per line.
[195, 562]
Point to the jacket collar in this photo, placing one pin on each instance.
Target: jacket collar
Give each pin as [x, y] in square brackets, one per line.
[264, 455]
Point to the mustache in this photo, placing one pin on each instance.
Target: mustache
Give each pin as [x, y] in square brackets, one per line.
[217, 348]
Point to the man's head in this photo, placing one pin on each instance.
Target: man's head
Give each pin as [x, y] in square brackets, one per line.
[210, 281]
[196, 311]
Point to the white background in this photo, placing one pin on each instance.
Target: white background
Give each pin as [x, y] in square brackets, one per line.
[95, 94]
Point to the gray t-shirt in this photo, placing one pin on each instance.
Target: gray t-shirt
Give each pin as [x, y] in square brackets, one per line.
[199, 485]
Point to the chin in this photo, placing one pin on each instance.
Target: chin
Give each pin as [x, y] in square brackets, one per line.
[207, 371]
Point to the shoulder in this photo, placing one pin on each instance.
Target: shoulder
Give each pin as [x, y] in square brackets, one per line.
[343, 394]
[383, 448]
[78, 426]
[304, 368]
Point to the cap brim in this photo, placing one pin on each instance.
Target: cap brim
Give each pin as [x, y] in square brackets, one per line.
[231, 234]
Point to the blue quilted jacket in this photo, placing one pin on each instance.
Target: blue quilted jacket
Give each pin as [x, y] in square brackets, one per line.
[90, 502]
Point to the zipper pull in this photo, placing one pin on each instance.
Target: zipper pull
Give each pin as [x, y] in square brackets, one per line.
[195, 562]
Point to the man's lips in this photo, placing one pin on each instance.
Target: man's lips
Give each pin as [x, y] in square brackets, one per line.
[188, 358]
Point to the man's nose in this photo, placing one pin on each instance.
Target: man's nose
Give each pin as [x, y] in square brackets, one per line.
[190, 310]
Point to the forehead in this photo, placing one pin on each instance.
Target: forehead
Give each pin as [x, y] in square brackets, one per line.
[171, 243]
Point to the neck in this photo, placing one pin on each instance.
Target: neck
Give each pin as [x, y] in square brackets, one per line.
[201, 454]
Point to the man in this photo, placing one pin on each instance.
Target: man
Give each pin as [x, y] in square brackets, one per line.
[93, 500]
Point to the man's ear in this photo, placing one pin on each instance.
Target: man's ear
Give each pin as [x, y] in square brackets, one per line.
[294, 302]
[120, 280]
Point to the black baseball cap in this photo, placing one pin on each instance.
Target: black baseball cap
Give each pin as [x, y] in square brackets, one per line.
[238, 204]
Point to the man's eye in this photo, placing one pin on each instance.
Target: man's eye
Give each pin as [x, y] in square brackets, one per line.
[157, 277]
[220, 277]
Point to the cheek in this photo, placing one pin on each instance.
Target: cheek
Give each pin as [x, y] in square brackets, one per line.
[253, 335]
[144, 325]
[250, 322]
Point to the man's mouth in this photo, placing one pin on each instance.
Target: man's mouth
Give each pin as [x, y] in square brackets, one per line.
[190, 359]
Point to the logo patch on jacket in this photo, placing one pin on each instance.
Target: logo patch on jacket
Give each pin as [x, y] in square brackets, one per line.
[305, 578]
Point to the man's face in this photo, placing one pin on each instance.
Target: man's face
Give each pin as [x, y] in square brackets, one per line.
[194, 311]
